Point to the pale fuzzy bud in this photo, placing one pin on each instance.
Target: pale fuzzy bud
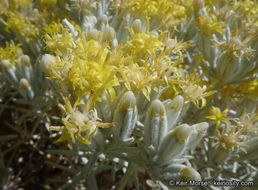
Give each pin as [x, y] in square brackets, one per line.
[25, 60]
[127, 102]
[199, 130]
[155, 125]
[25, 66]
[24, 84]
[6, 65]
[125, 117]
[180, 172]
[173, 109]
[173, 145]
[46, 63]
[137, 26]
[109, 34]
[190, 174]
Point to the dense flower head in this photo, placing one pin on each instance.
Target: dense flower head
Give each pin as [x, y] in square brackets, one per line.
[210, 25]
[238, 134]
[58, 39]
[22, 26]
[11, 52]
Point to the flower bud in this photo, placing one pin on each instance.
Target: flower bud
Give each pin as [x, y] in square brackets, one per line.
[125, 117]
[173, 144]
[24, 84]
[173, 109]
[189, 174]
[10, 69]
[198, 131]
[137, 26]
[180, 172]
[25, 61]
[155, 125]
[109, 34]
[46, 63]
[6, 65]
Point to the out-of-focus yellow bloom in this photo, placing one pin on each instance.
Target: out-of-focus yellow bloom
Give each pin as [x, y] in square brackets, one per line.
[11, 52]
[14, 4]
[218, 116]
[169, 13]
[22, 26]
[48, 2]
[248, 8]
[210, 25]
[238, 91]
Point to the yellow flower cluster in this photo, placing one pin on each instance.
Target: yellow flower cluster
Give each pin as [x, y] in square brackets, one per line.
[78, 125]
[169, 13]
[92, 55]
[11, 52]
[210, 25]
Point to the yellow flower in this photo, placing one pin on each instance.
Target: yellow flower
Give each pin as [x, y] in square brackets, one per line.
[58, 39]
[11, 52]
[249, 88]
[194, 89]
[79, 125]
[209, 26]
[247, 8]
[22, 26]
[167, 12]
[143, 45]
[137, 78]
[218, 116]
[231, 137]
[238, 134]
[236, 47]
[48, 2]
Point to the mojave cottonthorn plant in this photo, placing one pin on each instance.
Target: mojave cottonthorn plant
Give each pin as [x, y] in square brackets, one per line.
[146, 94]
